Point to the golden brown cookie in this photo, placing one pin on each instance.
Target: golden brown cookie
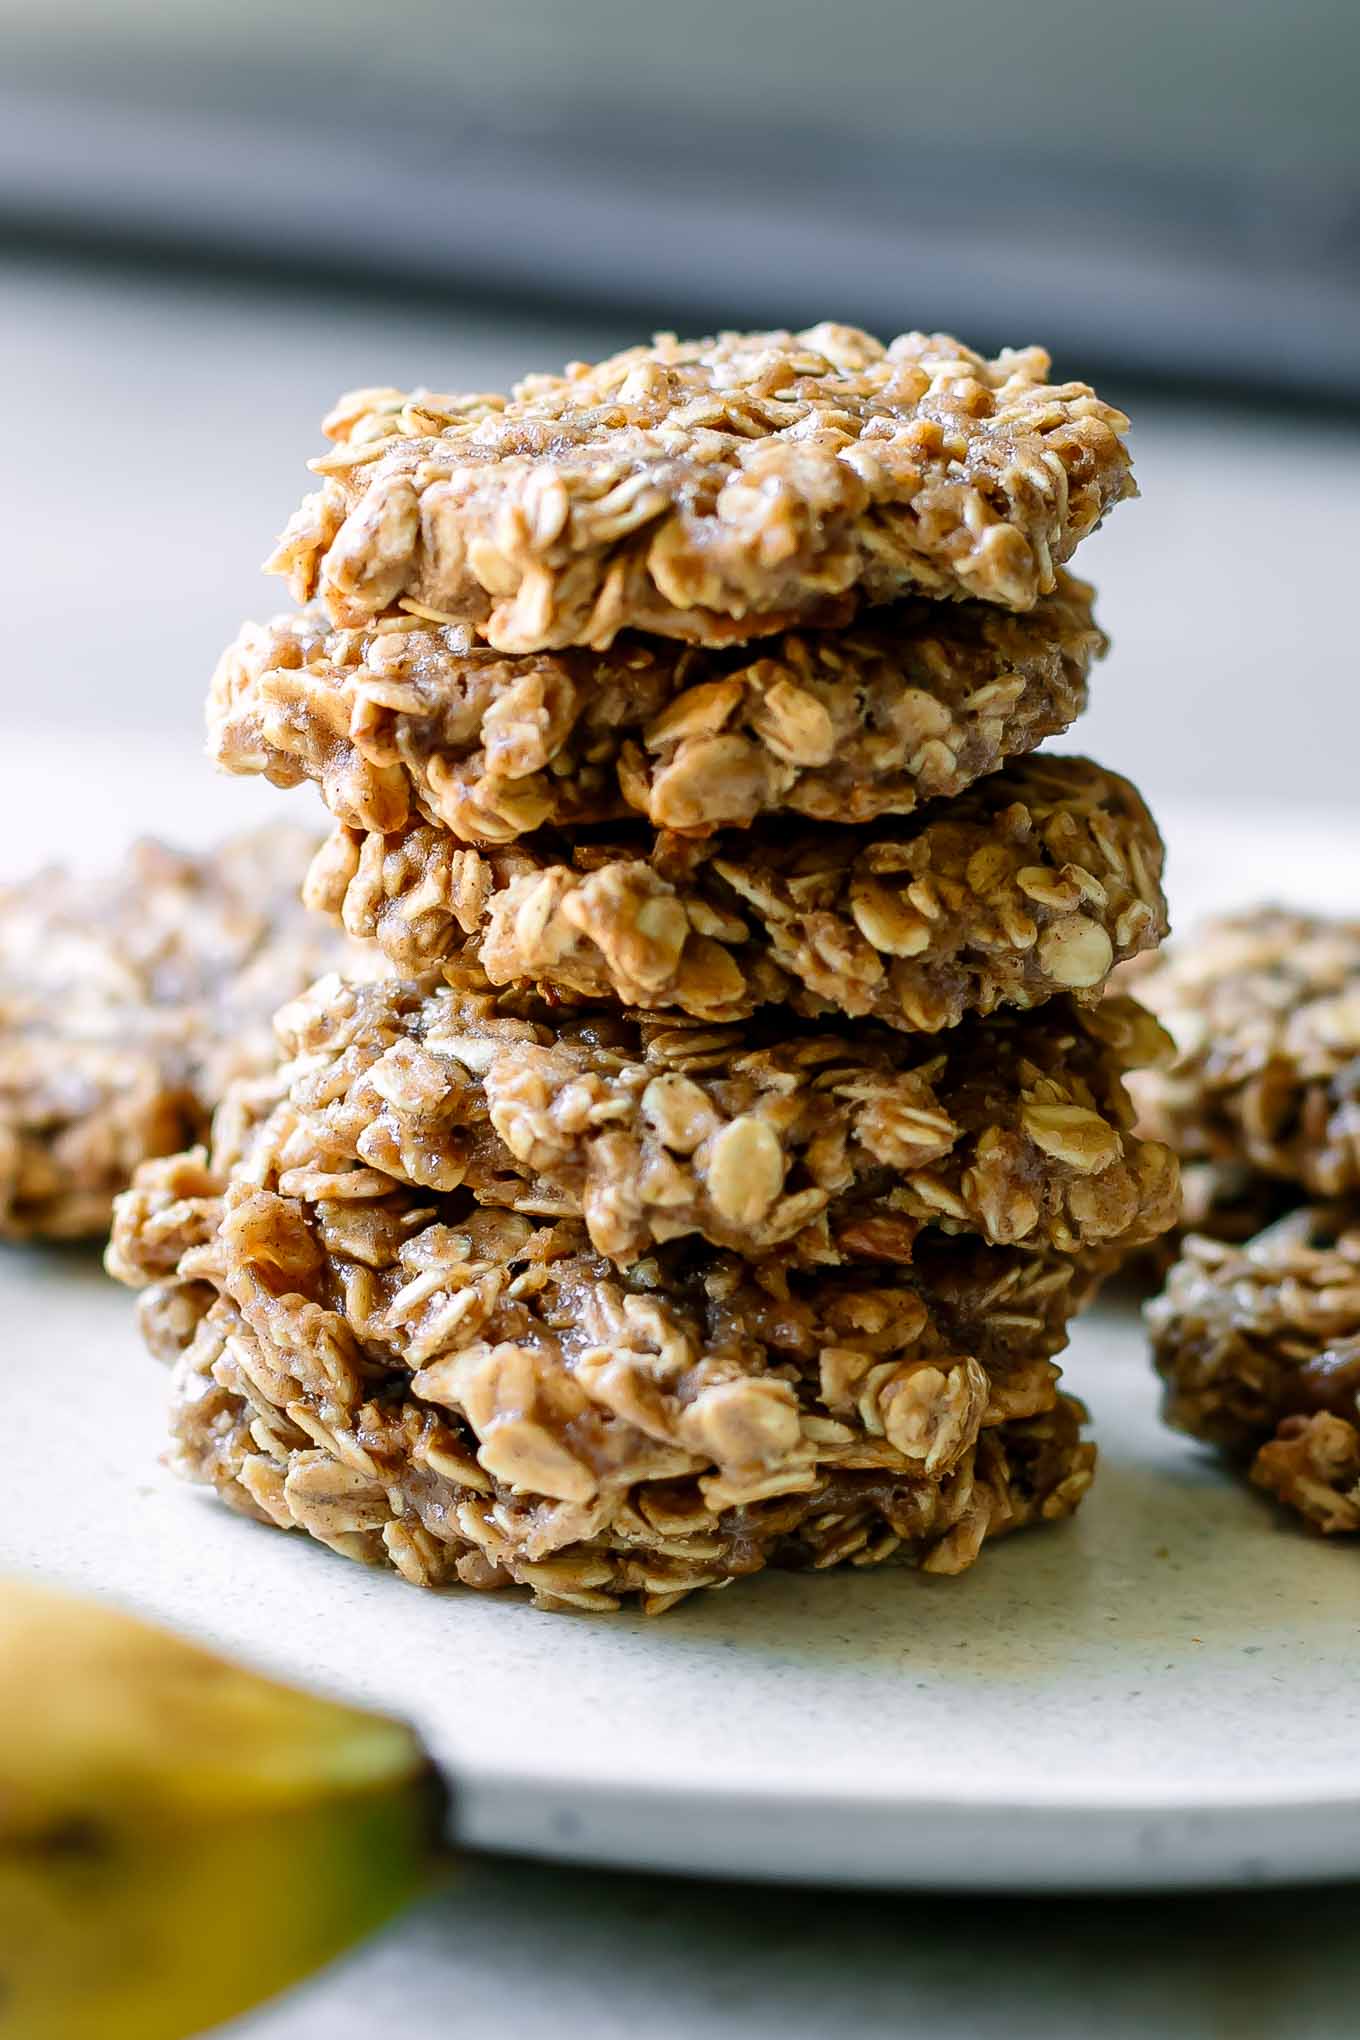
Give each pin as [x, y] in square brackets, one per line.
[465, 1394]
[759, 1138]
[127, 1004]
[711, 490]
[1222, 1201]
[1264, 1008]
[1034, 882]
[1259, 1348]
[410, 720]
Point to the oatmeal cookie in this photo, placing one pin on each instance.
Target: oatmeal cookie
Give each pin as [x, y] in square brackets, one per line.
[1259, 1348]
[1264, 1008]
[1034, 882]
[410, 719]
[1220, 1200]
[466, 1394]
[710, 490]
[1312, 1465]
[128, 1004]
[1228, 1203]
[773, 1136]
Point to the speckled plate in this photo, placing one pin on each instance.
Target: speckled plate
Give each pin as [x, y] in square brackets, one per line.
[1161, 1693]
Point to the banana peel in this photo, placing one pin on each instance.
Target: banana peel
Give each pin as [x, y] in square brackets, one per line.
[179, 1837]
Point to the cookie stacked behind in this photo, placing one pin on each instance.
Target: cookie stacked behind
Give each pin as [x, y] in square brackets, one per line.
[129, 1003]
[1257, 1335]
[716, 1185]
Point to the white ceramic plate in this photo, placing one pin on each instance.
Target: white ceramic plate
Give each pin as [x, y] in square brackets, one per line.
[1161, 1693]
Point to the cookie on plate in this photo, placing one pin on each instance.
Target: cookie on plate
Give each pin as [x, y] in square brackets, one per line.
[467, 1394]
[1264, 1009]
[778, 1136]
[1259, 1348]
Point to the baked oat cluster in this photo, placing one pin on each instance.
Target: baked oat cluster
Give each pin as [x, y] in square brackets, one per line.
[128, 1004]
[1264, 1009]
[786, 1138]
[711, 1180]
[469, 1394]
[714, 491]
[1035, 882]
[1257, 1332]
[1259, 1348]
[405, 721]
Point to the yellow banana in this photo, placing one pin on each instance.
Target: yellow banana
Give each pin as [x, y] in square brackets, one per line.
[180, 1838]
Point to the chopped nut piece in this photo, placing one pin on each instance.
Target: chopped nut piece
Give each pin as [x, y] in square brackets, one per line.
[710, 490]
[409, 719]
[884, 922]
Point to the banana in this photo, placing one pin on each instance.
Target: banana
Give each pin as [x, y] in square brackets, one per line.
[180, 1838]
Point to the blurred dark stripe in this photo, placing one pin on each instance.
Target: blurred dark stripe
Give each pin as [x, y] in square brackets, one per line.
[1232, 279]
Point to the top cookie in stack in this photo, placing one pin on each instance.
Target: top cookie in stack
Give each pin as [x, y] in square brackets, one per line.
[711, 491]
[673, 714]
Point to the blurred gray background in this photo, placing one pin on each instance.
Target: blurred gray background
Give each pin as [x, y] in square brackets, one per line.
[1168, 185]
[160, 439]
[213, 218]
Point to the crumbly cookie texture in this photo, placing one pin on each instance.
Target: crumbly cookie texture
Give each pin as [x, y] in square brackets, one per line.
[1228, 1203]
[1312, 1465]
[1264, 1008]
[409, 719]
[128, 1004]
[1223, 1201]
[757, 1138]
[1034, 882]
[1259, 1347]
[464, 1394]
[710, 490]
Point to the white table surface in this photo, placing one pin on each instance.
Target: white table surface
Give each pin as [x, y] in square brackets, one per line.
[156, 446]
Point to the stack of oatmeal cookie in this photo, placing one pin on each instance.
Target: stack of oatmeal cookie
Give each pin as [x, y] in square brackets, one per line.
[715, 1183]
